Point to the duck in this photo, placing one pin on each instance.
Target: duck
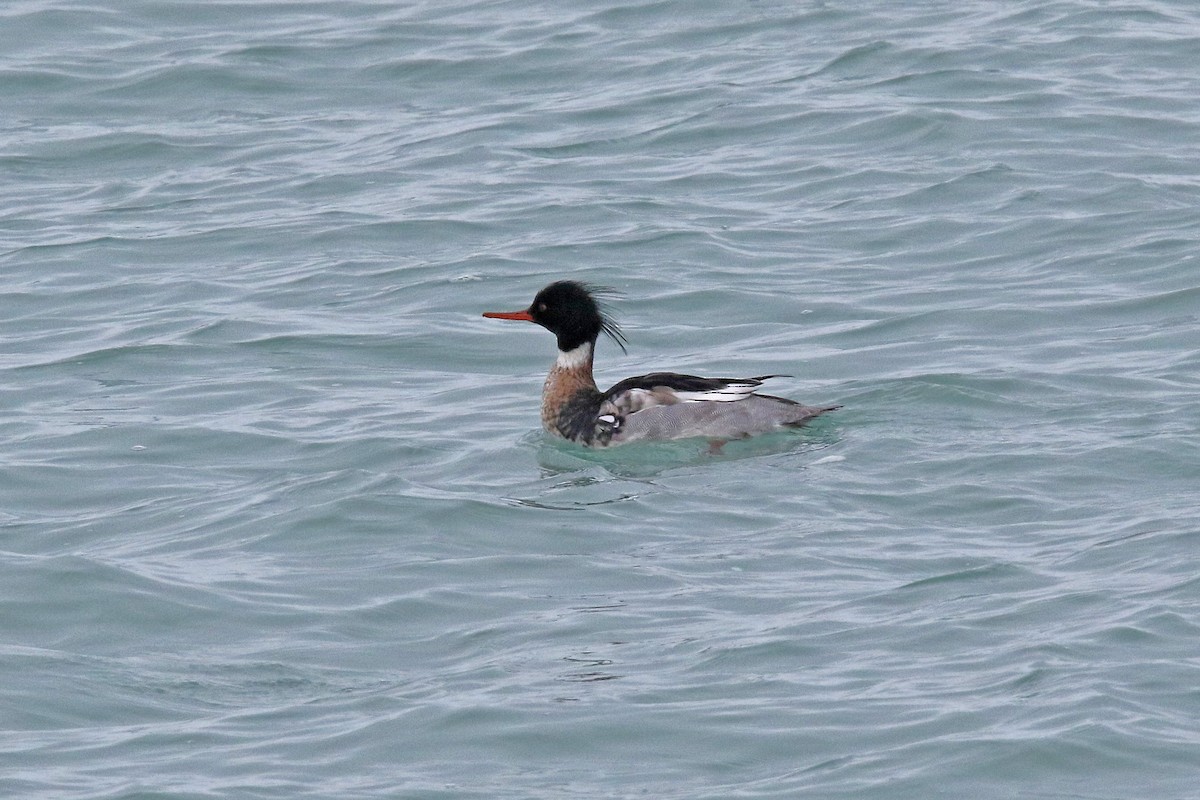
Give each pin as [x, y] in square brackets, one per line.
[658, 406]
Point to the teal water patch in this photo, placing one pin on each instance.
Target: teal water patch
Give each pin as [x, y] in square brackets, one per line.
[278, 519]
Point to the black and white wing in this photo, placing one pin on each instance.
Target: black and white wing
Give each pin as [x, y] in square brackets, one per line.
[667, 405]
[668, 388]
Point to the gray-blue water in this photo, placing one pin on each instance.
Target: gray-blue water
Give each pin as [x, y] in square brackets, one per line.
[277, 517]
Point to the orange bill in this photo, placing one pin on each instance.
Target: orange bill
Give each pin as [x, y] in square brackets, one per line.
[521, 315]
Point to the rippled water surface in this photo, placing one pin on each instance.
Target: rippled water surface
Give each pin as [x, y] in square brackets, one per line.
[277, 518]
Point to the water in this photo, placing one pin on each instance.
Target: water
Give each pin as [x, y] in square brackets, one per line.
[277, 518]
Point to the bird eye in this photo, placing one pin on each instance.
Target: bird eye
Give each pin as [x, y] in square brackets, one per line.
[541, 307]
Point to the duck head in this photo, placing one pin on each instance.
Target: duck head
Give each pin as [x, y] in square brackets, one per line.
[571, 311]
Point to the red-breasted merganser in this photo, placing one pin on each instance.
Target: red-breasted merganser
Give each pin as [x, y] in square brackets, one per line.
[658, 406]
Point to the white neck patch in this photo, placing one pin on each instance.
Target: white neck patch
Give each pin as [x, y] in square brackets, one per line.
[575, 359]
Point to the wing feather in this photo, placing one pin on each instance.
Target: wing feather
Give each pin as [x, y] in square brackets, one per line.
[667, 388]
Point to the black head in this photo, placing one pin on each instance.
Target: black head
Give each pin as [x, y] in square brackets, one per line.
[571, 311]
